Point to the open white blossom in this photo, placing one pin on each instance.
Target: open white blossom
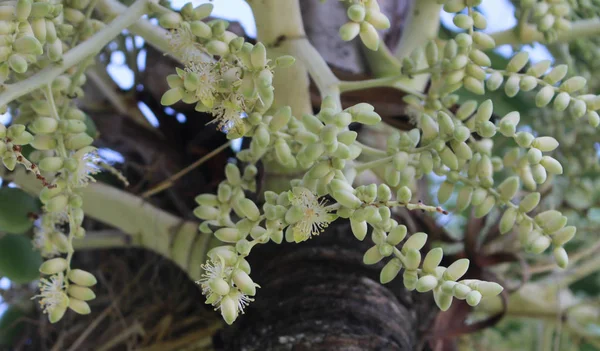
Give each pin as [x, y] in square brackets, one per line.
[316, 216]
[87, 165]
[52, 296]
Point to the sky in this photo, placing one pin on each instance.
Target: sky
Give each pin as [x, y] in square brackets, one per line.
[238, 10]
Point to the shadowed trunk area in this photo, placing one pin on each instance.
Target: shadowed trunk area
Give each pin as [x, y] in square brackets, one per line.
[318, 295]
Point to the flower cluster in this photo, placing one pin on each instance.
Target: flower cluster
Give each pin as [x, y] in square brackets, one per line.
[365, 19]
[224, 75]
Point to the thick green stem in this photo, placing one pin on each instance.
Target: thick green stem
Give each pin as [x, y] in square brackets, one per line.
[74, 56]
[279, 25]
[152, 228]
[423, 25]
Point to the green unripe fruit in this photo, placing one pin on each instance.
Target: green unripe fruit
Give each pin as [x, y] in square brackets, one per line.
[16, 206]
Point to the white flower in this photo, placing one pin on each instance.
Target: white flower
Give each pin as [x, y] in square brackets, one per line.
[316, 216]
[242, 300]
[52, 294]
[42, 242]
[87, 164]
[208, 80]
[228, 113]
[183, 42]
[213, 270]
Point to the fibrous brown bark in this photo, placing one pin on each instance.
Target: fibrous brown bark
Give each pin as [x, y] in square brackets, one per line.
[318, 295]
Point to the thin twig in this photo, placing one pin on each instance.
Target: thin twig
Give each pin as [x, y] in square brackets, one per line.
[167, 183]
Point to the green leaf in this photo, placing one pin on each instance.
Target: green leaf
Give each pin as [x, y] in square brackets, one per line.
[18, 261]
[9, 330]
[91, 129]
[15, 209]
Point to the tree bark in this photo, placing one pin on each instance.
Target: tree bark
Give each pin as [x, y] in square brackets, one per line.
[318, 295]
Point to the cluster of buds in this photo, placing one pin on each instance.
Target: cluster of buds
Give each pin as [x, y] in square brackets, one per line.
[365, 19]
[567, 93]
[33, 33]
[237, 79]
[64, 288]
[549, 17]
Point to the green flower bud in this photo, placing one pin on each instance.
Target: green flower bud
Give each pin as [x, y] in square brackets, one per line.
[473, 298]
[480, 58]
[551, 165]
[258, 55]
[432, 260]
[404, 195]
[412, 259]
[78, 141]
[564, 235]
[539, 174]
[561, 257]
[201, 29]
[512, 86]
[443, 301]
[217, 48]
[464, 198]
[562, 101]
[18, 63]
[529, 202]
[280, 119]
[457, 269]
[415, 241]
[79, 306]
[426, 283]
[170, 20]
[396, 235]
[494, 81]
[285, 61]
[229, 235]
[51, 164]
[463, 21]
[484, 41]
[454, 6]
[578, 108]
[556, 74]
[593, 118]
[390, 270]
[81, 293]
[229, 309]
[517, 62]
[524, 139]
[346, 199]
[429, 127]
[410, 279]
[82, 278]
[508, 220]
[476, 72]
[528, 83]
[24, 139]
[349, 31]
[474, 85]
[57, 204]
[243, 282]
[485, 207]
[53, 266]
[372, 256]
[508, 188]
[378, 20]
[539, 68]
[359, 229]
[539, 245]
[28, 45]
[171, 96]
[369, 36]
[545, 144]
[43, 142]
[356, 13]
[45, 125]
[445, 191]
[573, 84]
[367, 117]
